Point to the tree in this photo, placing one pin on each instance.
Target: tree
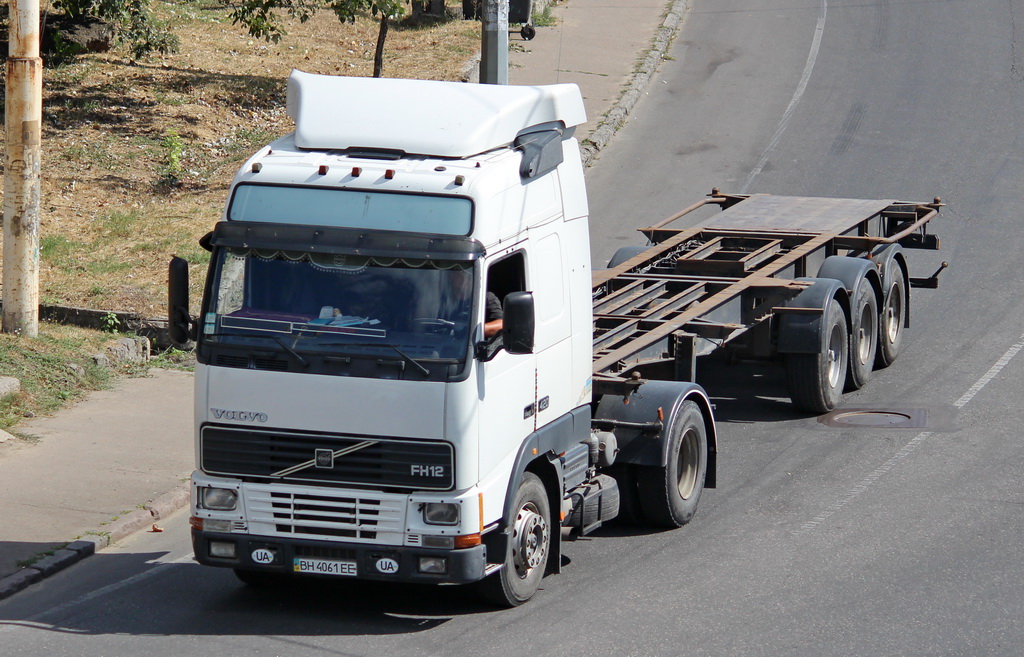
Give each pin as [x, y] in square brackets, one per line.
[261, 19]
[132, 22]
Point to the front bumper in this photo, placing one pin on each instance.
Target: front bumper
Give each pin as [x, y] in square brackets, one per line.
[373, 562]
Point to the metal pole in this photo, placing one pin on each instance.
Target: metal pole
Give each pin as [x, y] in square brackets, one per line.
[494, 43]
[24, 114]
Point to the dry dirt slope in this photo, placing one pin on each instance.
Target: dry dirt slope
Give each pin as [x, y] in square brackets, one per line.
[138, 156]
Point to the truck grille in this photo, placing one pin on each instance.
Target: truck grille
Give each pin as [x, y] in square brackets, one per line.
[327, 459]
[287, 511]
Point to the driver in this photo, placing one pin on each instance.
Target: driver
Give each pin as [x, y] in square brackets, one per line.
[494, 315]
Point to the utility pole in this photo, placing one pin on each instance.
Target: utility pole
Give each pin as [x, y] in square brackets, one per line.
[494, 42]
[24, 115]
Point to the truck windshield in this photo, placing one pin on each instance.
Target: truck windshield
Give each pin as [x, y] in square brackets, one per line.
[340, 305]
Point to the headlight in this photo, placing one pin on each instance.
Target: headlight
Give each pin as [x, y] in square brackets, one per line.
[441, 513]
[218, 499]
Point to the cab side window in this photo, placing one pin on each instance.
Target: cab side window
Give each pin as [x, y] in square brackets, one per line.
[506, 275]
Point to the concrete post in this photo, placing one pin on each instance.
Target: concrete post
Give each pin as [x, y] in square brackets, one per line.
[24, 114]
[494, 43]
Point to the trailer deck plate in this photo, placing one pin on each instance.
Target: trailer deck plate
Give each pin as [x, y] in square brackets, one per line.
[768, 212]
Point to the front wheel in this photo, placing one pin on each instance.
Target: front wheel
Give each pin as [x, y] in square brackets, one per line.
[816, 380]
[529, 545]
[669, 494]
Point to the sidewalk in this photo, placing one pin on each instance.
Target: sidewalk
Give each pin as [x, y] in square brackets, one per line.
[118, 461]
[89, 468]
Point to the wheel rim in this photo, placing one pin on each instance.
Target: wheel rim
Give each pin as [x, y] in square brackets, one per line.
[688, 465]
[893, 314]
[835, 356]
[865, 334]
[529, 540]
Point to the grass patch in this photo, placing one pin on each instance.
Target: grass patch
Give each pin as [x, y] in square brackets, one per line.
[60, 252]
[36, 558]
[174, 359]
[54, 368]
[108, 265]
[119, 224]
[93, 154]
[544, 18]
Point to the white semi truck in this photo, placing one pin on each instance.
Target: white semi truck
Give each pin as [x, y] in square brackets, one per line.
[356, 415]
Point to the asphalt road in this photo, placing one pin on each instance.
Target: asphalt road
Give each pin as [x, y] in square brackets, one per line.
[820, 540]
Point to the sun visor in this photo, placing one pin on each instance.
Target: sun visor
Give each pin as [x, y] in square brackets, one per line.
[441, 119]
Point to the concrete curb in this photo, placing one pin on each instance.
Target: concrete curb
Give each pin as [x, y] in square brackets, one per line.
[89, 544]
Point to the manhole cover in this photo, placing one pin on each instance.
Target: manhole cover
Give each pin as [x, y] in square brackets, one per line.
[877, 419]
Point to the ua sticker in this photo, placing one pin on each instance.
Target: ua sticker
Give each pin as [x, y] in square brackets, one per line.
[387, 566]
[263, 555]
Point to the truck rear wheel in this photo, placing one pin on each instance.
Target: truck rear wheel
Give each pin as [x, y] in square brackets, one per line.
[816, 380]
[669, 494]
[529, 545]
[863, 338]
[892, 318]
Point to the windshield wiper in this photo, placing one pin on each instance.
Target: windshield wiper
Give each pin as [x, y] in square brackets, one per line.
[276, 338]
[294, 354]
[418, 365]
[415, 363]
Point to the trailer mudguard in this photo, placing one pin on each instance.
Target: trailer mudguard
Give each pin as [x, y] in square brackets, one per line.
[642, 442]
[800, 333]
[852, 273]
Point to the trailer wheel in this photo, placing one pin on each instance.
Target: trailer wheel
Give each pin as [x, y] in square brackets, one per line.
[816, 380]
[669, 494]
[863, 338]
[624, 253]
[528, 548]
[892, 319]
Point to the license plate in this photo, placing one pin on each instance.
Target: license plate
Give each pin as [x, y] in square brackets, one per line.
[325, 567]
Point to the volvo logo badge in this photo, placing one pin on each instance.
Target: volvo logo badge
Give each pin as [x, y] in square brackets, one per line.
[325, 458]
[240, 416]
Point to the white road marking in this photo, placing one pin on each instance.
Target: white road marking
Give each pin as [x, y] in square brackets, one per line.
[869, 480]
[38, 621]
[812, 57]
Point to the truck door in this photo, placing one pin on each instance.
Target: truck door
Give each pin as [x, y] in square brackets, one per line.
[507, 384]
[556, 394]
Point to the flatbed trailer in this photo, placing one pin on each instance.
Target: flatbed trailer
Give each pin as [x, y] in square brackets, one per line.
[760, 280]
[360, 410]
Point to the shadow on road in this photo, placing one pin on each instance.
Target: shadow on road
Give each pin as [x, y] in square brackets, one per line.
[748, 392]
[179, 598]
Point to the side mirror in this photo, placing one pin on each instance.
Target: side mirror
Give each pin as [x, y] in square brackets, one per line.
[179, 325]
[518, 327]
